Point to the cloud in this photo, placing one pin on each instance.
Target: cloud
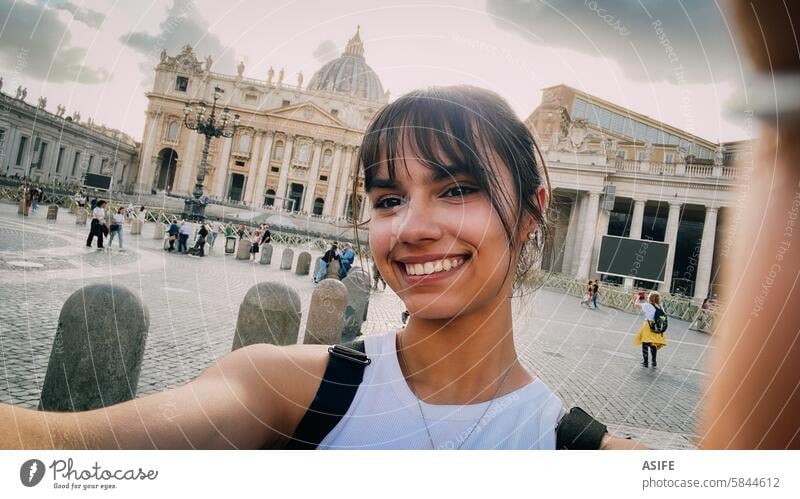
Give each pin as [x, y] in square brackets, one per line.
[326, 52]
[36, 43]
[89, 17]
[183, 25]
[649, 39]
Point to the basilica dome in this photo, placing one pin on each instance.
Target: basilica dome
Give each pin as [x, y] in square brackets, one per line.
[349, 74]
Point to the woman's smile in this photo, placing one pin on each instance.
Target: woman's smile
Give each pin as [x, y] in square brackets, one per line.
[423, 270]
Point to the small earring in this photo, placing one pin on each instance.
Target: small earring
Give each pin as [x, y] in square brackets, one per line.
[531, 235]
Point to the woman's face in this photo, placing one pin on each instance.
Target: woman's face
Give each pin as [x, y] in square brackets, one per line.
[437, 240]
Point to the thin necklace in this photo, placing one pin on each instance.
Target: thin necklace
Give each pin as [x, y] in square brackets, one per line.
[419, 403]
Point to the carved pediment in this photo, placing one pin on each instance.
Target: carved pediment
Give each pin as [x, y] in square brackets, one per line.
[308, 112]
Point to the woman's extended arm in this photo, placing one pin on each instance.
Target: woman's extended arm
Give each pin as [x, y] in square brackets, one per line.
[251, 398]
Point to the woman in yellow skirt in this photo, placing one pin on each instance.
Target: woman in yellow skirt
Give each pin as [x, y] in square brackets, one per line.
[650, 340]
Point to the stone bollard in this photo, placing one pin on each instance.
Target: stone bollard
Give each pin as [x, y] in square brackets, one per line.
[158, 231]
[303, 263]
[243, 251]
[52, 212]
[333, 270]
[286, 259]
[80, 217]
[266, 254]
[98, 349]
[326, 314]
[357, 284]
[270, 313]
[136, 227]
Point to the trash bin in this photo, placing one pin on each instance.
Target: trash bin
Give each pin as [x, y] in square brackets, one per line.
[230, 244]
[52, 212]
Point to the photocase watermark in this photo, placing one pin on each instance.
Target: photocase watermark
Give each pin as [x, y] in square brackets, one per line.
[66, 475]
[471, 431]
[607, 18]
[497, 52]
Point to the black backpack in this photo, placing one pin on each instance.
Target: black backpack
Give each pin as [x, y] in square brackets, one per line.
[660, 321]
[577, 430]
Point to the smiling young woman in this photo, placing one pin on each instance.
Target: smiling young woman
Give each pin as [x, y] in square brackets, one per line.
[459, 214]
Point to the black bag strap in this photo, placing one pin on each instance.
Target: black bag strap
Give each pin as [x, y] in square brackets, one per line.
[345, 372]
[578, 430]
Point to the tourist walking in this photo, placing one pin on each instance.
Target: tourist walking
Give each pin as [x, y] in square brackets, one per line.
[116, 229]
[346, 260]
[172, 234]
[183, 237]
[595, 292]
[651, 334]
[376, 277]
[255, 241]
[587, 296]
[266, 235]
[214, 234]
[98, 227]
[200, 244]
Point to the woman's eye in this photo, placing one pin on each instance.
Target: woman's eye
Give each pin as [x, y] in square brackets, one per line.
[388, 202]
[459, 191]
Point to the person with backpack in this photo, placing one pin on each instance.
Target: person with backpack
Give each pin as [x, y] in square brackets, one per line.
[172, 234]
[651, 334]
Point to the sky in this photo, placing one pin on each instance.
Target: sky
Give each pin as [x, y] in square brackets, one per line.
[673, 60]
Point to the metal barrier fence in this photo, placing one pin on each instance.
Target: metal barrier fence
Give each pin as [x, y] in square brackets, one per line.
[615, 296]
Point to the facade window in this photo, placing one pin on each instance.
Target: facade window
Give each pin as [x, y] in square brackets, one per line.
[303, 153]
[327, 158]
[285, 103]
[91, 162]
[240, 164]
[277, 153]
[244, 143]
[641, 156]
[60, 159]
[251, 99]
[23, 142]
[75, 162]
[334, 112]
[275, 169]
[103, 165]
[621, 154]
[172, 131]
[668, 157]
[323, 178]
[42, 154]
[181, 83]
[269, 198]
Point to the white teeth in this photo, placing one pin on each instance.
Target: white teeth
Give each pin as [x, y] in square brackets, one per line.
[428, 268]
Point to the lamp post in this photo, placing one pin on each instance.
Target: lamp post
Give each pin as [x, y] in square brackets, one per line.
[195, 119]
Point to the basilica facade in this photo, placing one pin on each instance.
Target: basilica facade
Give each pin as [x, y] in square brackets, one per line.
[295, 150]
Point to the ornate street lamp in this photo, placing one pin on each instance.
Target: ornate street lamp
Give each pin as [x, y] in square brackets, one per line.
[196, 119]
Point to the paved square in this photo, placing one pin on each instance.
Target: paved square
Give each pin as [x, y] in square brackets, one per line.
[586, 356]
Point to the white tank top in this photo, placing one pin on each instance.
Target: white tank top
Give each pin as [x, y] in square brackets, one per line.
[385, 414]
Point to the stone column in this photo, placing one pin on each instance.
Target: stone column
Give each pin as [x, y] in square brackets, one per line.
[146, 166]
[589, 229]
[286, 165]
[572, 230]
[330, 195]
[576, 251]
[706, 257]
[190, 165]
[637, 219]
[344, 183]
[671, 237]
[252, 172]
[313, 178]
[221, 173]
[263, 170]
[602, 229]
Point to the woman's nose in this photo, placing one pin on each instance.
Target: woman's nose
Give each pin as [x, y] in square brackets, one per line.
[416, 224]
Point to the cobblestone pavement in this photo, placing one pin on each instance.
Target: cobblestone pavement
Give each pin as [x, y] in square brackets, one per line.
[586, 356]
